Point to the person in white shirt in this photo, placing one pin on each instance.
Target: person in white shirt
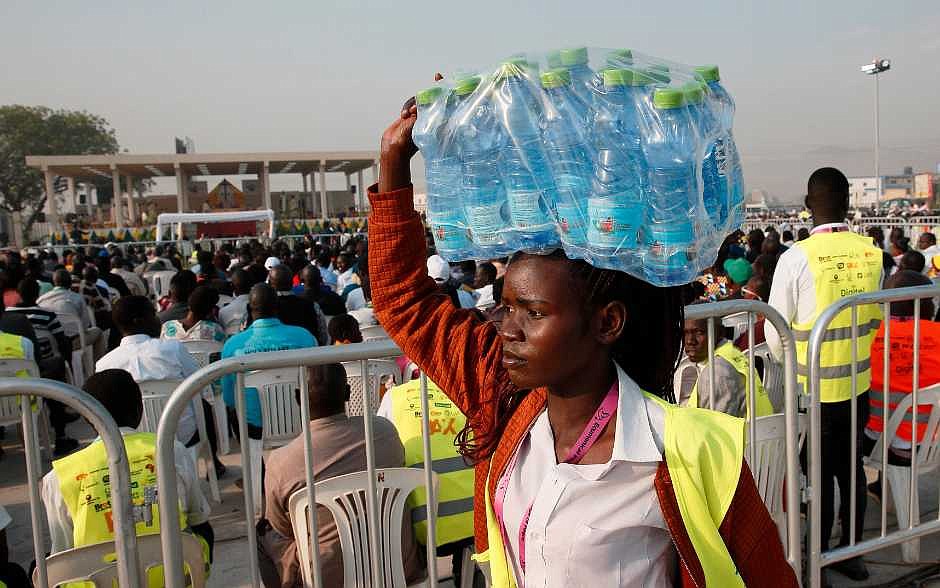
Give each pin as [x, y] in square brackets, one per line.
[120, 395]
[136, 285]
[64, 302]
[483, 283]
[147, 357]
[232, 315]
[344, 265]
[439, 271]
[927, 244]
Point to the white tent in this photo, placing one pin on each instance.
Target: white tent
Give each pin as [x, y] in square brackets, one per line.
[180, 218]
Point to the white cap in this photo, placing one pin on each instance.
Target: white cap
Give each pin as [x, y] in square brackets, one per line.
[271, 262]
[438, 269]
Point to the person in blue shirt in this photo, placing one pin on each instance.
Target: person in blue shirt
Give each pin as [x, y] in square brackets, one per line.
[266, 333]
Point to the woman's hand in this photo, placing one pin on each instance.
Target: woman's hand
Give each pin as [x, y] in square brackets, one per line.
[397, 148]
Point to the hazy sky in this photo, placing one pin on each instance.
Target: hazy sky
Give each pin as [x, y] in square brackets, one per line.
[285, 76]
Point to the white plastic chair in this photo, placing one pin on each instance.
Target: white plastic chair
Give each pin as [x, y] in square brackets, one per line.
[203, 353]
[280, 417]
[736, 321]
[345, 497]
[11, 406]
[159, 282]
[96, 563]
[380, 370]
[83, 359]
[155, 394]
[770, 467]
[373, 333]
[772, 377]
[928, 458]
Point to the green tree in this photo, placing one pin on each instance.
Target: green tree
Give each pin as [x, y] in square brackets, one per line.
[38, 130]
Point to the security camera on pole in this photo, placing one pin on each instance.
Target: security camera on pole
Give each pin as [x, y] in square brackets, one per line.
[874, 68]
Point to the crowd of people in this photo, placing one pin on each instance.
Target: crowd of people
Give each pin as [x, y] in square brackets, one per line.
[546, 346]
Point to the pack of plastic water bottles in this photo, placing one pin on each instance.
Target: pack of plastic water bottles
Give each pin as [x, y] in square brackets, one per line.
[624, 160]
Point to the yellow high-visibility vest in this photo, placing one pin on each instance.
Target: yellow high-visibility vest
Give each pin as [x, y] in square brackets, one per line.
[843, 264]
[704, 464]
[733, 355]
[11, 347]
[84, 481]
[455, 492]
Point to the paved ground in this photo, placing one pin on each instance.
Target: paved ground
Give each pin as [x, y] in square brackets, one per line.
[231, 569]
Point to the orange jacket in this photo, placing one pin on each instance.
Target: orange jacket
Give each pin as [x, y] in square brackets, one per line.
[463, 355]
[901, 372]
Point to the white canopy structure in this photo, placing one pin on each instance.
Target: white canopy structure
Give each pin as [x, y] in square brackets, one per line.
[178, 218]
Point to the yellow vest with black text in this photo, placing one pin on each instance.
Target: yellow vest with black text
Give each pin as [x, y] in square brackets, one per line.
[704, 451]
[84, 481]
[842, 264]
[455, 493]
[733, 355]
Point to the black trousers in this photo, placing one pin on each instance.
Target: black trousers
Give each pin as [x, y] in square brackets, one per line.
[837, 439]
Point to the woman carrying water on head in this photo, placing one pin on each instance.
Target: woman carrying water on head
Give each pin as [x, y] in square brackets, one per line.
[585, 474]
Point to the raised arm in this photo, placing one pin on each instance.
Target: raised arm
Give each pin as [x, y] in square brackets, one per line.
[458, 351]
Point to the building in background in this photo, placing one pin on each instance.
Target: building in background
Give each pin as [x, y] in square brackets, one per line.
[919, 187]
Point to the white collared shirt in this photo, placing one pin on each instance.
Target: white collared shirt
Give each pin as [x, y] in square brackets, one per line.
[147, 359]
[232, 315]
[594, 525]
[192, 500]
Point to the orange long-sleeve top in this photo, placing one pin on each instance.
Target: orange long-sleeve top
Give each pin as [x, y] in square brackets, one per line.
[463, 356]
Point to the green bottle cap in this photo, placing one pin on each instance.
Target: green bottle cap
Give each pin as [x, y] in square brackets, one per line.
[620, 57]
[694, 93]
[641, 78]
[709, 73]
[556, 78]
[667, 98]
[554, 59]
[617, 77]
[574, 56]
[428, 95]
[465, 86]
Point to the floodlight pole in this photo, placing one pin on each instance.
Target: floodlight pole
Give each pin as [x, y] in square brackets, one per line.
[877, 144]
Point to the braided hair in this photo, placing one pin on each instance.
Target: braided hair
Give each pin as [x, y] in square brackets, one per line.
[647, 350]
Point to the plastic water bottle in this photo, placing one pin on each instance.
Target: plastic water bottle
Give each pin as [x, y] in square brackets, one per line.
[524, 167]
[726, 152]
[616, 207]
[583, 80]
[442, 170]
[563, 132]
[714, 180]
[669, 147]
[478, 136]
[620, 58]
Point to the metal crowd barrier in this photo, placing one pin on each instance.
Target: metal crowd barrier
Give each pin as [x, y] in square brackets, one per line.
[912, 226]
[791, 400]
[301, 358]
[125, 539]
[817, 559]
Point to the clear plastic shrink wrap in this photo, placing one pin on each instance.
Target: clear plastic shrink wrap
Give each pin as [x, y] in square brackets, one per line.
[624, 160]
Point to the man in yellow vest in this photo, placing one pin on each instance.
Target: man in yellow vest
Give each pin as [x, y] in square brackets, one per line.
[454, 530]
[833, 263]
[730, 392]
[76, 493]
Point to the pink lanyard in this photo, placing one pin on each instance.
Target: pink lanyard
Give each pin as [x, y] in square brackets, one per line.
[590, 435]
[830, 229]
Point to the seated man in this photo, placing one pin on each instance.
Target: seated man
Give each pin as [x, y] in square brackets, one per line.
[729, 394]
[232, 315]
[19, 346]
[62, 300]
[338, 448]
[181, 287]
[266, 333]
[454, 531]
[147, 357]
[135, 284]
[294, 310]
[76, 492]
[53, 354]
[901, 378]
